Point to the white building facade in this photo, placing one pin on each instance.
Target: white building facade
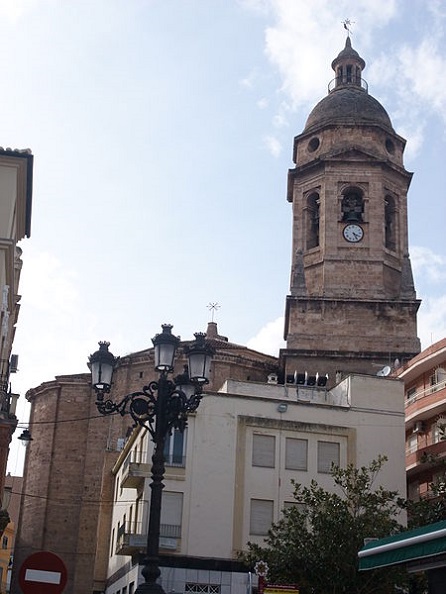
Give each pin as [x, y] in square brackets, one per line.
[229, 477]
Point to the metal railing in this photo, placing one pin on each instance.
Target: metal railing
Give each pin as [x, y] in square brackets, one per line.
[426, 392]
[166, 530]
[344, 81]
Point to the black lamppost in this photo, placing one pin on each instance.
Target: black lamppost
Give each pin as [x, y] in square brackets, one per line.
[160, 407]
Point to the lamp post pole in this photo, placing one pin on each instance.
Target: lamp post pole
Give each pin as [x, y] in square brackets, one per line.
[151, 570]
[159, 407]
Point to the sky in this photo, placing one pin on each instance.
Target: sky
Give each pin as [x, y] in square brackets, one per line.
[162, 132]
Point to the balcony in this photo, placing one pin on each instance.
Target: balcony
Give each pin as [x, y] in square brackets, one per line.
[416, 462]
[426, 403]
[134, 473]
[131, 539]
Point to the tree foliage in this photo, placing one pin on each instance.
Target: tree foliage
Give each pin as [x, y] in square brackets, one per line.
[316, 543]
[432, 507]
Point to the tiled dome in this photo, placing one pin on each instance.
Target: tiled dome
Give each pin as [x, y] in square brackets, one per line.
[348, 105]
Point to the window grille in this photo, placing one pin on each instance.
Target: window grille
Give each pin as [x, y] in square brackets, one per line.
[192, 588]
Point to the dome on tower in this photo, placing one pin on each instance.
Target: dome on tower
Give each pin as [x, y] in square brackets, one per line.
[348, 101]
[348, 106]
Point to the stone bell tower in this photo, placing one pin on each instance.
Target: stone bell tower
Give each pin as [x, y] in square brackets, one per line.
[352, 304]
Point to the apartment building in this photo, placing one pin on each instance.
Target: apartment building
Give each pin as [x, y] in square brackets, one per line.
[16, 176]
[228, 477]
[425, 404]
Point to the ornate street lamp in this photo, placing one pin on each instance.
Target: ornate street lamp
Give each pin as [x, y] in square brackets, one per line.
[160, 407]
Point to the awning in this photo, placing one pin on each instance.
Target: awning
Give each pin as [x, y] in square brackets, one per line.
[413, 545]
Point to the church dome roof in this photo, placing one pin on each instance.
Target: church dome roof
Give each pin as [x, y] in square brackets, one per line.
[348, 105]
[348, 101]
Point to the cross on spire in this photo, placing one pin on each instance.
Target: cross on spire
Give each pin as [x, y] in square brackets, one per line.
[347, 26]
[213, 307]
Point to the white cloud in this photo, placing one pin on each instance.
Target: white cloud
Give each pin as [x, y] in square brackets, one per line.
[430, 275]
[412, 71]
[262, 103]
[428, 265]
[280, 121]
[259, 6]
[425, 59]
[248, 81]
[269, 339]
[273, 145]
[290, 42]
[51, 307]
[14, 10]
[432, 320]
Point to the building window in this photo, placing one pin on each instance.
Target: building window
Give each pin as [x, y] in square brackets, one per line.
[5, 542]
[352, 206]
[328, 454]
[349, 73]
[411, 393]
[263, 450]
[412, 443]
[124, 590]
[296, 454]
[175, 449]
[438, 379]
[413, 491]
[131, 587]
[390, 223]
[294, 505]
[192, 588]
[171, 514]
[261, 516]
[438, 432]
[313, 214]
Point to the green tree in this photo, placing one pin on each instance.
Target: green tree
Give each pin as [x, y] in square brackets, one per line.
[316, 543]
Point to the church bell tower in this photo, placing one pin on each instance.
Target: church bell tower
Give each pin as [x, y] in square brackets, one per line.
[352, 305]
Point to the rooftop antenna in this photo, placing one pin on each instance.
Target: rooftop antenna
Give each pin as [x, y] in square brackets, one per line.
[347, 26]
[213, 307]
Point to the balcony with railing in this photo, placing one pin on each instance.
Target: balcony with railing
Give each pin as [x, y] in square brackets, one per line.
[426, 403]
[132, 538]
[134, 472]
[417, 460]
[346, 81]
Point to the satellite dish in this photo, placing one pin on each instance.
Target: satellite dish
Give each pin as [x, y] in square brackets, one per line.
[384, 372]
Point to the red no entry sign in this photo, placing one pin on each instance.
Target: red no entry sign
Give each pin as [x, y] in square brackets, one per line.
[43, 573]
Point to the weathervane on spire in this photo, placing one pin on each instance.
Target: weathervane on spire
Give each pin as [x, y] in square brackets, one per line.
[347, 26]
[212, 307]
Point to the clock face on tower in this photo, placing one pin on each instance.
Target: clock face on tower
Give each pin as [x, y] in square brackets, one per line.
[353, 233]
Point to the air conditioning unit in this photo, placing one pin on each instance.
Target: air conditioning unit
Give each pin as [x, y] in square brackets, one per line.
[418, 427]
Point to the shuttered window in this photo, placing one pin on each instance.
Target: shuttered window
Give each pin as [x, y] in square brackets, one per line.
[261, 516]
[328, 453]
[171, 514]
[263, 450]
[296, 454]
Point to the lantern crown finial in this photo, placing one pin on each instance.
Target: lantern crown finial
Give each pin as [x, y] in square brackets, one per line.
[165, 345]
[102, 364]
